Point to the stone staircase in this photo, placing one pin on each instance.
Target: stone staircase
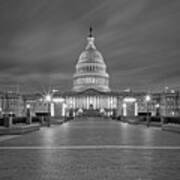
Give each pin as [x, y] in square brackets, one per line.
[92, 113]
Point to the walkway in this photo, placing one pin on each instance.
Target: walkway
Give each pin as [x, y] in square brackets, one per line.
[91, 149]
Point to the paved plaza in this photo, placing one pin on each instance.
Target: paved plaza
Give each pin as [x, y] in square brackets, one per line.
[92, 148]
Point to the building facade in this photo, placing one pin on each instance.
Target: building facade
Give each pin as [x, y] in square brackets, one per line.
[91, 90]
[91, 94]
[12, 103]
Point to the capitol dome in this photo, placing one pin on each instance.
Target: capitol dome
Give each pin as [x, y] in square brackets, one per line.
[91, 54]
[91, 69]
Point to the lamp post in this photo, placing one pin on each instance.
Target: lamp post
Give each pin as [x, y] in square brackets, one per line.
[157, 106]
[10, 119]
[48, 99]
[28, 113]
[147, 99]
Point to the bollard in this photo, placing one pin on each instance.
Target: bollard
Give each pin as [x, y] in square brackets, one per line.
[28, 118]
[42, 120]
[8, 121]
[162, 121]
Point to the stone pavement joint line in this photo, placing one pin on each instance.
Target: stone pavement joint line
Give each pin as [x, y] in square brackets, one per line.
[7, 137]
[74, 147]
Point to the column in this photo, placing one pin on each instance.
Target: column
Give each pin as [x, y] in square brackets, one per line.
[100, 102]
[87, 102]
[83, 102]
[135, 109]
[124, 109]
[74, 102]
[95, 102]
[52, 109]
[108, 102]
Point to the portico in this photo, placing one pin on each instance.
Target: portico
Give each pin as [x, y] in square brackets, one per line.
[92, 100]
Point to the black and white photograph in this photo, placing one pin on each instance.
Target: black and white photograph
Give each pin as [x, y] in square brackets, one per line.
[89, 90]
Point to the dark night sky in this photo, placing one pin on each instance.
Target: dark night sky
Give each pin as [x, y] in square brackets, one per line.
[40, 41]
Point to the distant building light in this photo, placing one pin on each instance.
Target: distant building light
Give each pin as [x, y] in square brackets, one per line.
[58, 100]
[148, 98]
[80, 111]
[127, 90]
[48, 98]
[129, 99]
[172, 91]
[28, 106]
[124, 105]
[157, 105]
[102, 110]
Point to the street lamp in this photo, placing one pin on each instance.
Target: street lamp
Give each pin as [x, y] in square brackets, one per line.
[28, 106]
[48, 99]
[157, 106]
[147, 99]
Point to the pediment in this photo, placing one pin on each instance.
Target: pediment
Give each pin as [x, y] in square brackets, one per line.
[91, 92]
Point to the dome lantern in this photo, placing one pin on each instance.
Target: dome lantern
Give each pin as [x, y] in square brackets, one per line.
[90, 31]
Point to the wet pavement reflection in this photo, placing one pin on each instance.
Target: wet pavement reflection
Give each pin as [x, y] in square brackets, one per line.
[91, 163]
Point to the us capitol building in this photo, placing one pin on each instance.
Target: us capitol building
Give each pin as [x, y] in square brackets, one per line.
[91, 83]
[91, 95]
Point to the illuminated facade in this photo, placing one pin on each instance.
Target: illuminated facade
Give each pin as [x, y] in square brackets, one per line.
[165, 104]
[12, 103]
[91, 95]
[91, 90]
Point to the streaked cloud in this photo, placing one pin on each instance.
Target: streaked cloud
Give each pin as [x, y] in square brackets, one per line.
[40, 41]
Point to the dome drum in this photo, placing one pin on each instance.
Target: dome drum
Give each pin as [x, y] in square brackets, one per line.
[91, 68]
[101, 75]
